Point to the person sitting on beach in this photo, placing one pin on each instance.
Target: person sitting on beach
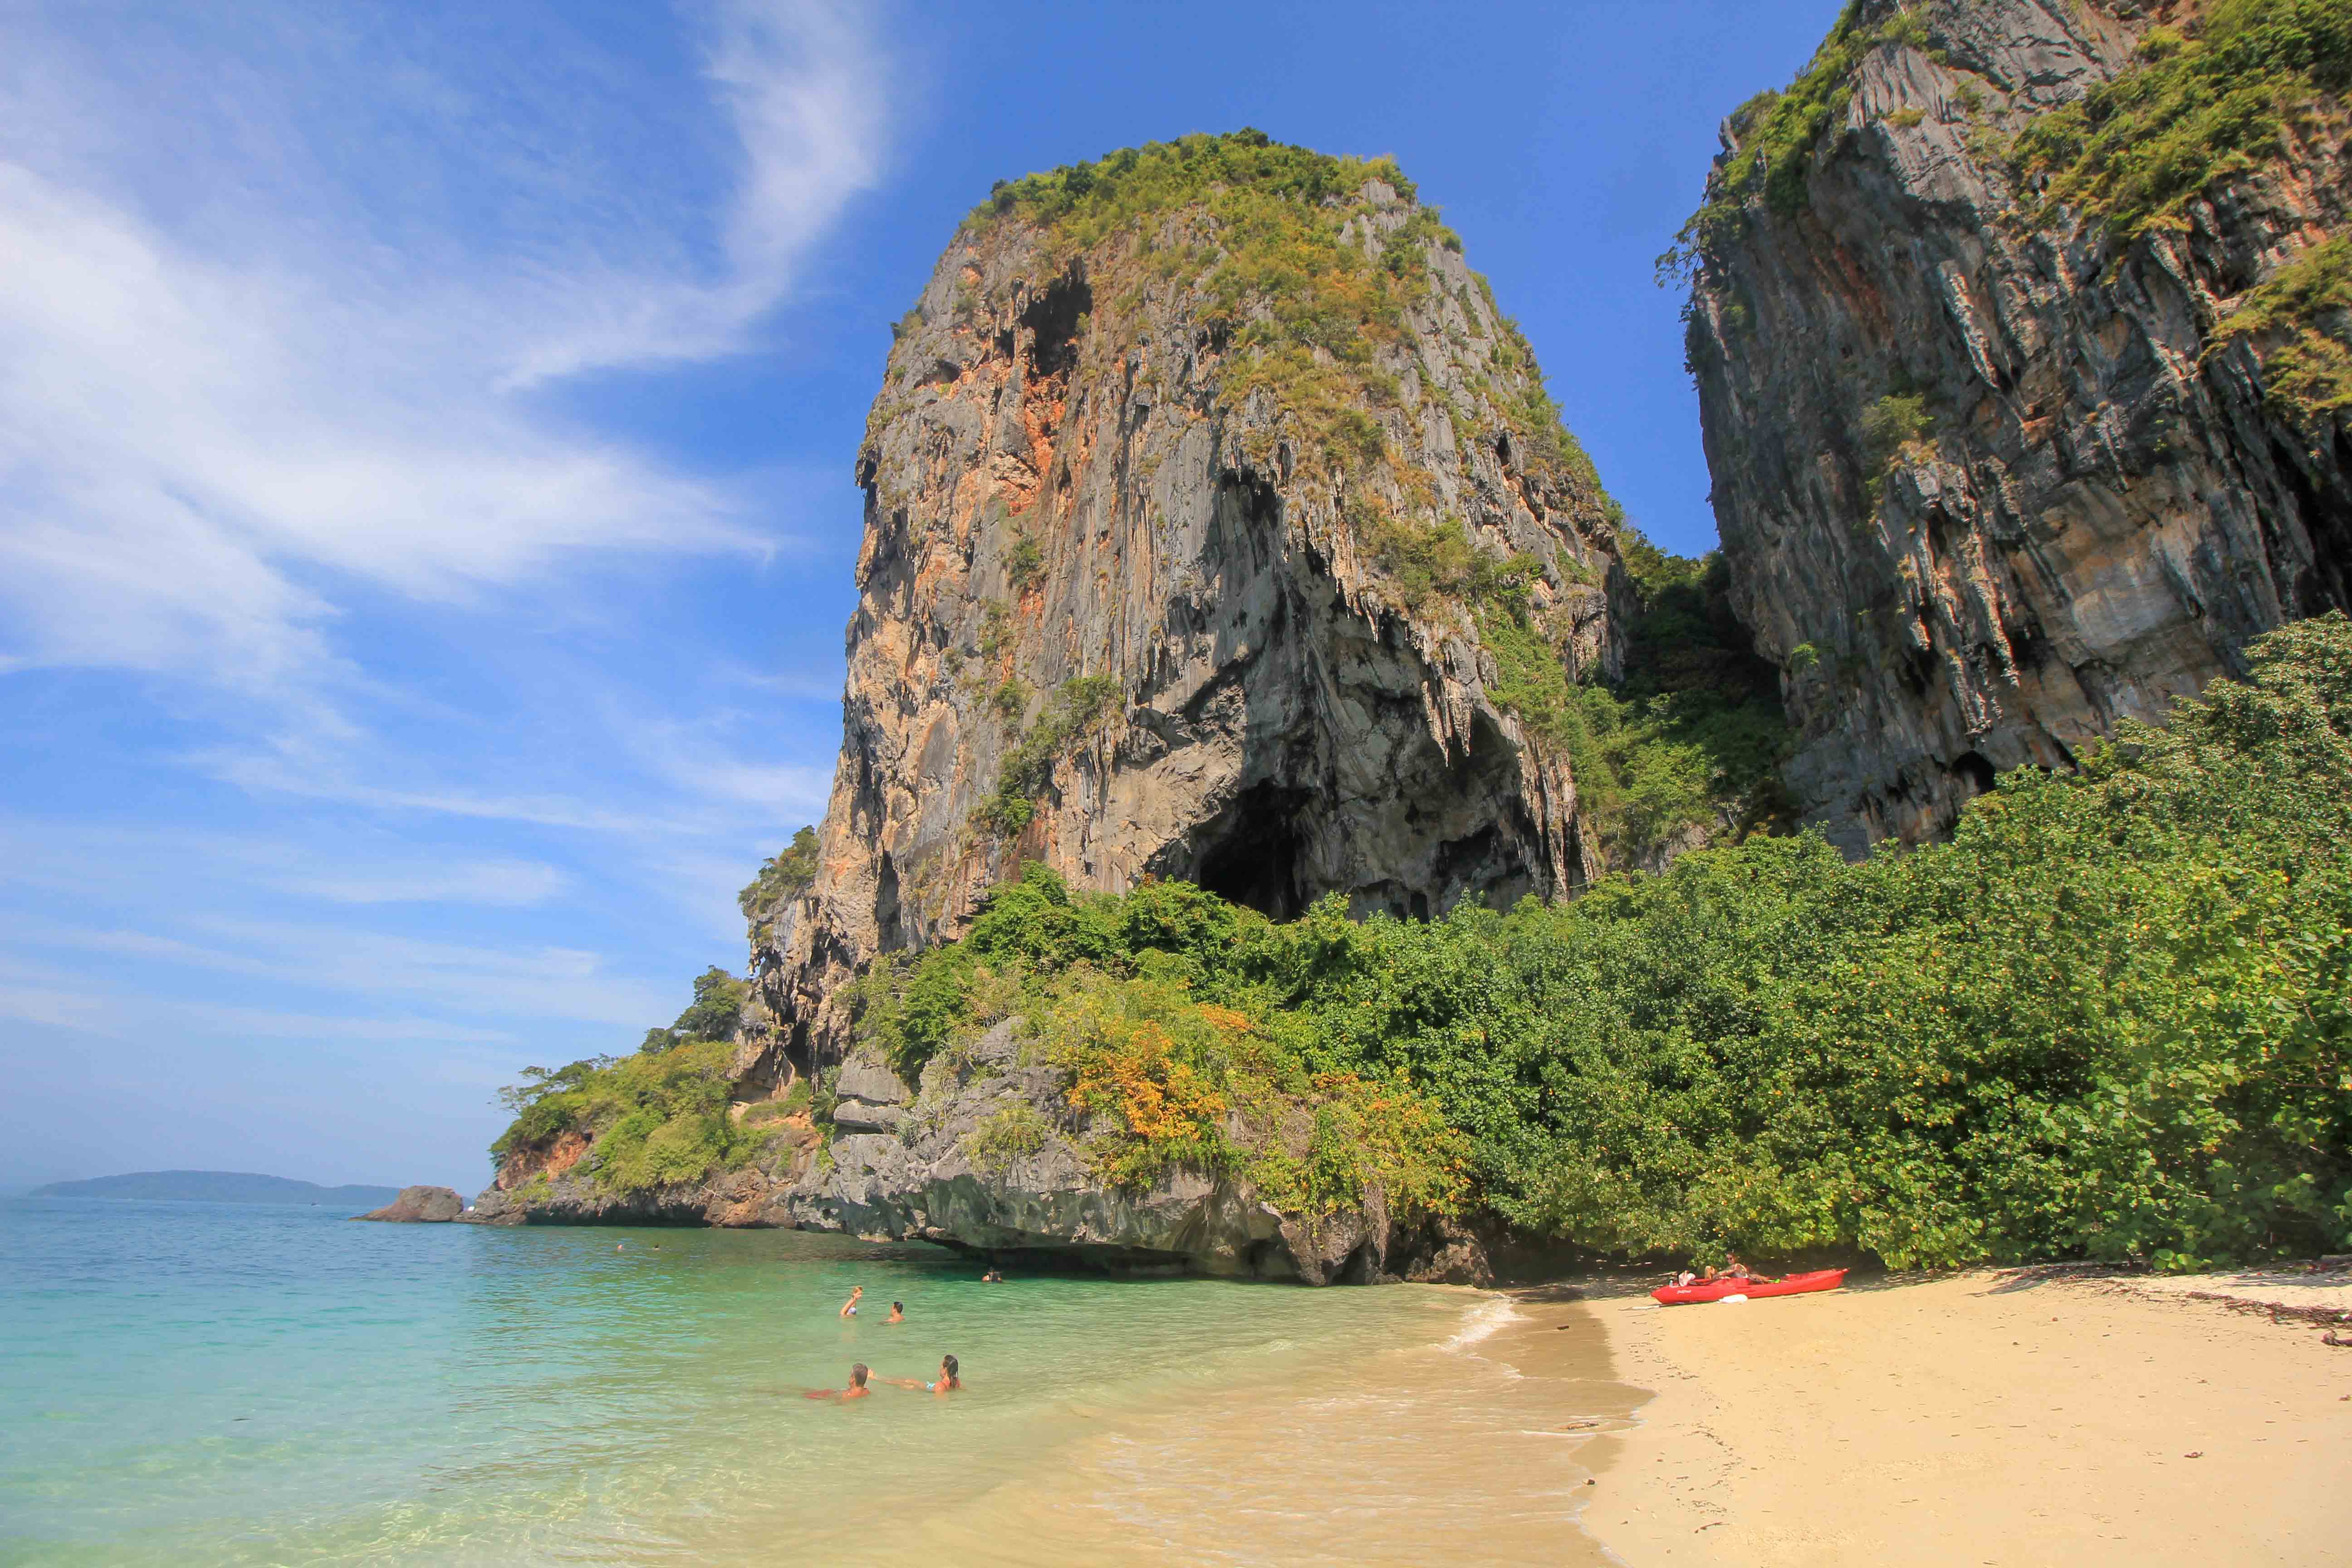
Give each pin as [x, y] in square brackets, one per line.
[1733, 1269]
[849, 1307]
[897, 1312]
[856, 1389]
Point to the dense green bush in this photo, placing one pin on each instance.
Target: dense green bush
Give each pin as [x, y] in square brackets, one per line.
[654, 1119]
[2108, 1020]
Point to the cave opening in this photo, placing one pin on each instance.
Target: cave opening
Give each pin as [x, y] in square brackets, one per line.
[1253, 858]
[1973, 767]
[1053, 319]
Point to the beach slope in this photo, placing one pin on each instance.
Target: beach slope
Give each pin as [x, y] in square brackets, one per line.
[2018, 1419]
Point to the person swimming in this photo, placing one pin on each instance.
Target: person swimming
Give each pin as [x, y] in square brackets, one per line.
[949, 1381]
[849, 1307]
[991, 1277]
[897, 1312]
[856, 1389]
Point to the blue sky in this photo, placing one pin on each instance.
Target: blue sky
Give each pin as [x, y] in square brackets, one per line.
[425, 511]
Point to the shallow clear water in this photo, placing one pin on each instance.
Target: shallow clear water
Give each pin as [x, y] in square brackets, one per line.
[202, 1384]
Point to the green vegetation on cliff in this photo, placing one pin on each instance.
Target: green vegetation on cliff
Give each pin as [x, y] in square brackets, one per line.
[652, 1119]
[1078, 708]
[783, 877]
[2217, 102]
[1133, 998]
[2211, 101]
[1778, 134]
[1693, 735]
[2303, 319]
[1280, 240]
[2112, 1018]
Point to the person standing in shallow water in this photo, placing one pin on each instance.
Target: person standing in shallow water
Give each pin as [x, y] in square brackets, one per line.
[897, 1312]
[849, 1307]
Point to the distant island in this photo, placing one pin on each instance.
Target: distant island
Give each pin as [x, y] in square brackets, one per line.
[217, 1187]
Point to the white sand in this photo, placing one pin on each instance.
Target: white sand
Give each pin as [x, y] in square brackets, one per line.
[1987, 1418]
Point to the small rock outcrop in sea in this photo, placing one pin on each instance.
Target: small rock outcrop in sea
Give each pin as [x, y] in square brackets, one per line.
[1217, 528]
[420, 1206]
[2015, 432]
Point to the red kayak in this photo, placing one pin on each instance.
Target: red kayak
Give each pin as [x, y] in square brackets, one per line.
[1716, 1289]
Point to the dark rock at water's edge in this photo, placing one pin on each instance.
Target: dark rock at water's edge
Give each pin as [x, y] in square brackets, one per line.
[420, 1206]
[214, 1187]
[907, 1164]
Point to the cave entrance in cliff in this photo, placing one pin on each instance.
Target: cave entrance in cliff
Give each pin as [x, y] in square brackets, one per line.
[1976, 770]
[1253, 855]
[1053, 319]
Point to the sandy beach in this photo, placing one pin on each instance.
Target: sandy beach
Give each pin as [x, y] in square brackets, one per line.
[2023, 1417]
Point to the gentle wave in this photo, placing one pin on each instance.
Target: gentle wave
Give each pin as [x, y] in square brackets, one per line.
[1484, 1322]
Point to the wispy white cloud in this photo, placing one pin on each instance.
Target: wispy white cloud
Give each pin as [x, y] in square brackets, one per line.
[475, 981]
[214, 416]
[481, 883]
[131, 864]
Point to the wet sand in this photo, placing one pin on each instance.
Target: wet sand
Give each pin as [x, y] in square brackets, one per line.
[2009, 1419]
[1465, 1445]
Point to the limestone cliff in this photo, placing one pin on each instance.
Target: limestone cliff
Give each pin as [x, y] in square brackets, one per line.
[1197, 479]
[2020, 355]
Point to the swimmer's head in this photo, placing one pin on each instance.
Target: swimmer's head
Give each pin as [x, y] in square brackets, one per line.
[858, 1374]
[948, 1365]
[897, 1306]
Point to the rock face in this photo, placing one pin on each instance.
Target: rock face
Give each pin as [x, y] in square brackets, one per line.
[1155, 582]
[942, 1170]
[2095, 501]
[420, 1206]
[752, 1197]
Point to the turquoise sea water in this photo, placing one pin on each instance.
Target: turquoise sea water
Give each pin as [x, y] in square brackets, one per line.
[201, 1384]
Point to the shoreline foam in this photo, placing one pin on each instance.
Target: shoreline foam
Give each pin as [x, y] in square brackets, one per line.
[2020, 1417]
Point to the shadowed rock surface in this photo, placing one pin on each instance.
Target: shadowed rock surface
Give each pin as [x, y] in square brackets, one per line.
[2096, 502]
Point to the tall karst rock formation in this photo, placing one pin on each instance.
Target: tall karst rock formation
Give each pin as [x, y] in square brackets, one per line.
[2019, 327]
[1217, 527]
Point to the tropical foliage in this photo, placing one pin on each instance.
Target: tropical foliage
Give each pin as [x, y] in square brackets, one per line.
[654, 1118]
[2110, 1019]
